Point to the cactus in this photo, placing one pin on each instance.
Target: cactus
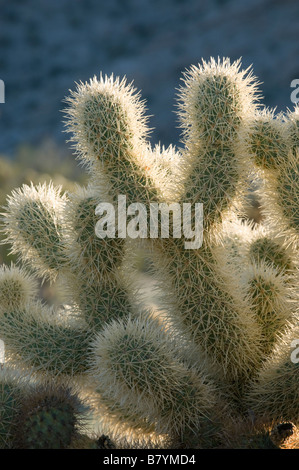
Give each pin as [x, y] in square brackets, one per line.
[10, 402]
[37, 415]
[181, 399]
[218, 342]
[35, 214]
[47, 419]
[275, 393]
[17, 288]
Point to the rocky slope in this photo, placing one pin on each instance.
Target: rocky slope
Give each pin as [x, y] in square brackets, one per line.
[46, 46]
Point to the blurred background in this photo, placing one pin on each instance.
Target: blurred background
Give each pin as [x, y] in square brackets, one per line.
[46, 46]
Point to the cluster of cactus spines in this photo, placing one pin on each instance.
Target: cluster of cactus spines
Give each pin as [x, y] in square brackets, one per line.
[228, 312]
[88, 254]
[292, 122]
[270, 280]
[267, 140]
[38, 415]
[271, 297]
[273, 143]
[267, 247]
[10, 402]
[39, 337]
[275, 393]
[215, 105]
[17, 288]
[214, 316]
[93, 280]
[34, 213]
[130, 354]
[35, 335]
[279, 197]
[107, 120]
[48, 419]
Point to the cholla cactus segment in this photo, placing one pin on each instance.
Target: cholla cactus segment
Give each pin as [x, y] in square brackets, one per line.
[49, 417]
[119, 420]
[17, 288]
[275, 393]
[213, 181]
[288, 191]
[266, 275]
[37, 338]
[107, 122]
[89, 255]
[33, 227]
[106, 117]
[268, 139]
[10, 402]
[216, 97]
[267, 249]
[165, 167]
[292, 124]
[208, 305]
[98, 302]
[231, 241]
[280, 198]
[92, 283]
[137, 365]
[214, 105]
[271, 294]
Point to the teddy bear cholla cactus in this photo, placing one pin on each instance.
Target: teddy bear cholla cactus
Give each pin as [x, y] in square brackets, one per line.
[225, 302]
[37, 415]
